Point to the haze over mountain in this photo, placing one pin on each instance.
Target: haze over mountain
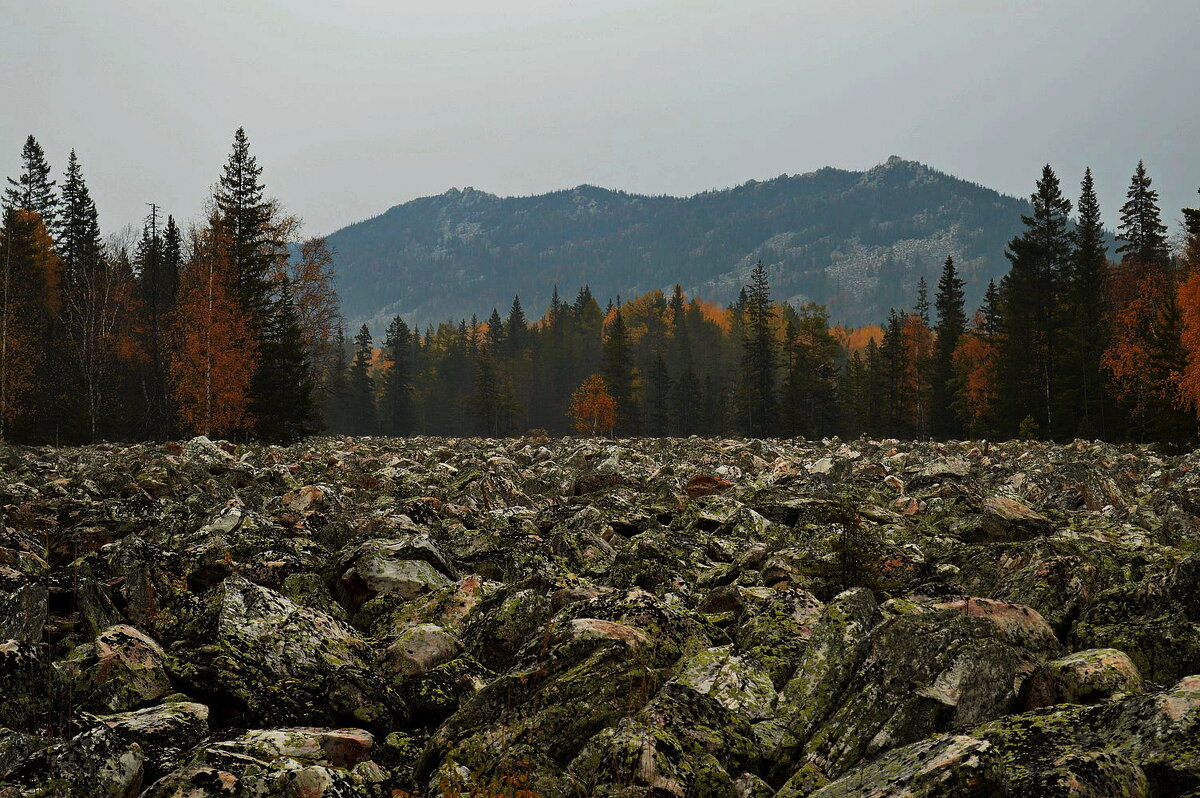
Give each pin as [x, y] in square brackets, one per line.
[853, 241]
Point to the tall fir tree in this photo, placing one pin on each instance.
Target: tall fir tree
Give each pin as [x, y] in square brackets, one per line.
[285, 375]
[94, 298]
[1087, 407]
[950, 303]
[157, 259]
[241, 201]
[516, 329]
[33, 190]
[361, 386]
[1041, 259]
[1144, 315]
[617, 370]
[759, 357]
[397, 411]
[1142, 232]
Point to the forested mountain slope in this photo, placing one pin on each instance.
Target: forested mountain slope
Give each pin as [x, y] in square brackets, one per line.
[854, 241]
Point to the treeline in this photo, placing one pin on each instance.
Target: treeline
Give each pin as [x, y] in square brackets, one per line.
[227, 327]
[1071, 343]
[232, 327]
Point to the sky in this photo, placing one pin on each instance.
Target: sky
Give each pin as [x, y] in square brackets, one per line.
[358, 105]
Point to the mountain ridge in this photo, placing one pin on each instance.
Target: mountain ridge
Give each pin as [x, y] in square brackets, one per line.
[855, 241]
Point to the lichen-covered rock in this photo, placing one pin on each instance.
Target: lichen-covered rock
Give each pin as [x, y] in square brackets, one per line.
[1156, 622]
[1083, 677]
[96, 763]
[947, 766]
[164, 733]
[122, 670]
[259, 657]
[421, 647]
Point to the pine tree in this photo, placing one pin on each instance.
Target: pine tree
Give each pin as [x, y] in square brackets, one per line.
[1142, 231]
[361, 386]
[950, 303]
[397, 402]
[33, 190]
[617, 371]
[1041, 259]
[1086, 404]
[759, 357]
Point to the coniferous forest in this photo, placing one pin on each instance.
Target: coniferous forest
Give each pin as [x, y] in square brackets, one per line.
[231, 326]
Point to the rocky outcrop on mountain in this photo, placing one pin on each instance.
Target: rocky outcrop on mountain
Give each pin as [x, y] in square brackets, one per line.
[380, 618]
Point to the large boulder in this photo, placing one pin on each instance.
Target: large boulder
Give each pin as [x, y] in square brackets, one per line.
[261, 659]
[122, 670]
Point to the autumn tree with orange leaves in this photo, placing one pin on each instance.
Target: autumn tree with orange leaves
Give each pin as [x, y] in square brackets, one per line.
[28, 275]
[593, 409]
[976, 396]
[1188, 380]
[215, 355]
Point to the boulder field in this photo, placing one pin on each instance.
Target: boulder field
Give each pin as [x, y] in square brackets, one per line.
[530, 617]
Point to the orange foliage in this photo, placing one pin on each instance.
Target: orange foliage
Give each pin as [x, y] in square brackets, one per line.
[1138, 295]
[855, 339]
[29, 279]
[1188, 383]
[716, 314]
[215, 355]
[975, 364]
[593, 408]
[916, 341]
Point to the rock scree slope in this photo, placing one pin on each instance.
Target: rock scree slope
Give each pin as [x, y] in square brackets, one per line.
[533, 617]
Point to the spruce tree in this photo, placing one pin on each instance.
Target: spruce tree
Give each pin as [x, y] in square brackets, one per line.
[90, 298]
[158, 281]
[759, 357]
[1142, 231]
[361, 387]
[397, 409]
[33, 190]
[922, 306]
[495, 333]
[1032, 290]
[241, 201]
[950, 303]
[658, 400]
[1085, 400]
[516, 329]
[617, 370]
[335, 403]
[285, 377]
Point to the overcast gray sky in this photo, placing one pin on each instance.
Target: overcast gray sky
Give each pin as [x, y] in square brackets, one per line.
[357, 105]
